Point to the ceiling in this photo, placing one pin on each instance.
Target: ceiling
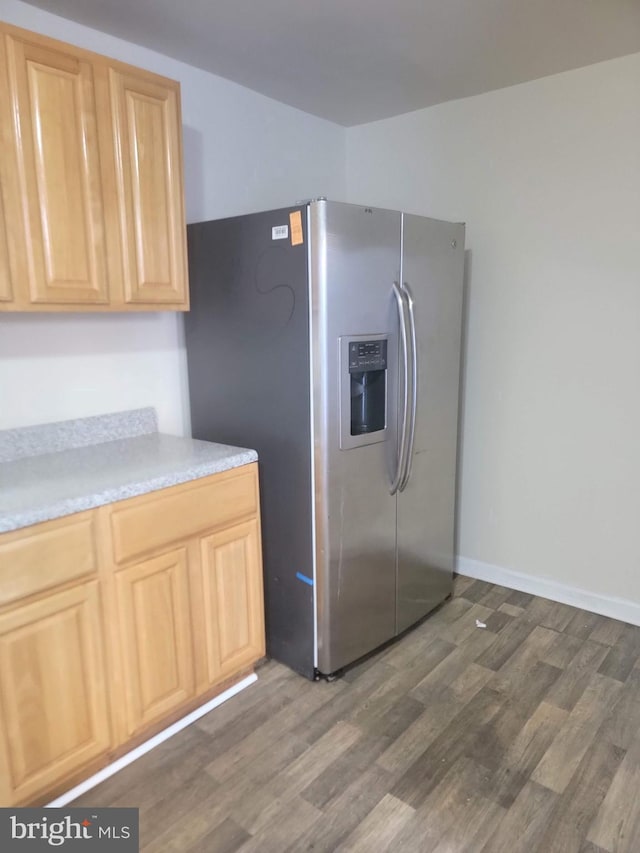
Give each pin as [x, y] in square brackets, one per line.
[354, 61]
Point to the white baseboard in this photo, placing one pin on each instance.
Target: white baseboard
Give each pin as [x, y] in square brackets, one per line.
[148, 745]
[605, 605]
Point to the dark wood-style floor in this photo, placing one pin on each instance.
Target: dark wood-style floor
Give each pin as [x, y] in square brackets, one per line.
[521, 736]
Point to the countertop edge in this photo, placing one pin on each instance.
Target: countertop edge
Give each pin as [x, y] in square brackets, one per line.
[70, 506]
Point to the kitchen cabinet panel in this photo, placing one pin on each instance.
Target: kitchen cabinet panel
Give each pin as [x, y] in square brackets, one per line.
[59, 173]
[6, 284]
[153, 612]
[56, 552]
[232, 598]
[148, 140]
[53, 717]
[153, 521]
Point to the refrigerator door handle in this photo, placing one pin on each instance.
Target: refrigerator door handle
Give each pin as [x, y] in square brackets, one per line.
[404, 429]
[413, 397]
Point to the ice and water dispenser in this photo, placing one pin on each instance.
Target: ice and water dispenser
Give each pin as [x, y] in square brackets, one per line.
[368, 373]
[364, 391]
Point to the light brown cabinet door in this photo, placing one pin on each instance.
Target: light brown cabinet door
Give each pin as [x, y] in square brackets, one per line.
[52, 686]
[155, 630]
[6, 285]
[147, 139]
[59, 172]
[231, 595]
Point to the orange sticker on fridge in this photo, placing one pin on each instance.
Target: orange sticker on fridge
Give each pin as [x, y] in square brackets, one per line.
[295, 221]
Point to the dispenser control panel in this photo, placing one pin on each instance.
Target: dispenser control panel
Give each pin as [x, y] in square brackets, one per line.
[367, 355]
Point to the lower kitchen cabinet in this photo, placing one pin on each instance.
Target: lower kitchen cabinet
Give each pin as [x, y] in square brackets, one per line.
[155, 631]
[117, 621]
[231, 595]
[53, 688]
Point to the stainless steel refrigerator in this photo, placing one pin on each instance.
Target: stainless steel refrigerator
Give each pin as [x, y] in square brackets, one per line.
[327, 337]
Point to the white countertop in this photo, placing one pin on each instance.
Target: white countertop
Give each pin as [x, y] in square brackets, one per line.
[45, 486]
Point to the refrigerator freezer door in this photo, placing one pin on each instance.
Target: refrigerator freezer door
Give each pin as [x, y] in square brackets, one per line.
[355, 258]
[433, 267]
[247, 337]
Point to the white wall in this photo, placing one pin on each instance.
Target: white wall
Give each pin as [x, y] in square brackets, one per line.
[547, 177]
[242, 152]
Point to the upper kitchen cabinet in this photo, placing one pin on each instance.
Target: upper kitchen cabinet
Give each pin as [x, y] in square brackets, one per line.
[6, 278]
[94, 213]
[146, 137]
[8, 187]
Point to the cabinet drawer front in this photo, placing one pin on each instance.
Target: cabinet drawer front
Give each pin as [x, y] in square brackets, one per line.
[172, 515]
[45, 556]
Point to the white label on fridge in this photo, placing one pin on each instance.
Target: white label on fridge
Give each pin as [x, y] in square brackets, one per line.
[279, 232]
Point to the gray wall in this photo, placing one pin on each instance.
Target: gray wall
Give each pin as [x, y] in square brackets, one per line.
[547, 177]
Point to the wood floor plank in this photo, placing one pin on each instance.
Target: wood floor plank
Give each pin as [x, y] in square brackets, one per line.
[161, 818]
[568, 826]
[240, 754]
[582, 624]
[623, 726]
[401, 754]
[491, 747]
[394, 720]
[505, 644]
[379, 828]
[576, 735]
[550, 614]
[477, 590]
[184, 818]
[292, 780]
[504, 783]
[465, 686]
[460, 583]
[312, 725]
[345, 770]
[475, 823]
[226, 837]
[452, 666]
[616, 827]
[623, 656]
[496, 596]
[273, 681]
[511, 609]
[344, 812]
[455, 740]
[465, 626]
[572, 683]
[497, 620]
[607, 631]
[524, 825]
[287, 823]
[449, 810]
[520, 599]
[530, 652]
[425, 646]
[175, 761]
[562, 650]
